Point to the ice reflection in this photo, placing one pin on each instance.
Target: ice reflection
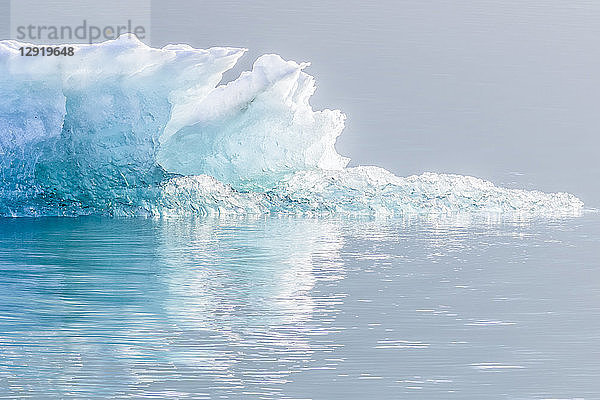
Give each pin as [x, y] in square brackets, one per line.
[221, 276]
[167, 308]
[251, 285]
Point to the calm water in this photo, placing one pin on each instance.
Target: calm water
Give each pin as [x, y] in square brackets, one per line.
[300, 308]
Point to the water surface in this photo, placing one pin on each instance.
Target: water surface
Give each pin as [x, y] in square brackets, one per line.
[317, 308]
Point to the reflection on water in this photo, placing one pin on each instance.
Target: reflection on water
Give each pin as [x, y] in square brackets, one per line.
[247, 292]
[299, 308]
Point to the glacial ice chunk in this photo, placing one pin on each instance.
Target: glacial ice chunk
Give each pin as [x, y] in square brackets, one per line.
[124, 129]
[255, 130]
[361, 191]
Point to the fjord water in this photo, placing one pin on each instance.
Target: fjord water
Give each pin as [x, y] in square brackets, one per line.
[280, 307]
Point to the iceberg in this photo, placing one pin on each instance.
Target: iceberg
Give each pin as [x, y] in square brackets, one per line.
[121, 128]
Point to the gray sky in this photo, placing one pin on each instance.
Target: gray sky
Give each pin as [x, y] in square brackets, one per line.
[506, 91]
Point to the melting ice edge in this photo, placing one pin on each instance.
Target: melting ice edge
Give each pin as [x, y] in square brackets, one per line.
[124, 129]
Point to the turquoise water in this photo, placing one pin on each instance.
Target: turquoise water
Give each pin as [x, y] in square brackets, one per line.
[464, 308]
